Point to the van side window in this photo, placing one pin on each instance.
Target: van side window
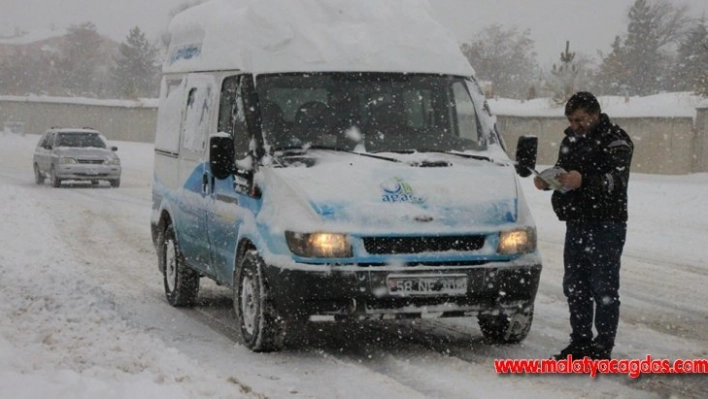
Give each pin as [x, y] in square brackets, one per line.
[196, 118]
[170, 115]
[466, 115]
[232, 115]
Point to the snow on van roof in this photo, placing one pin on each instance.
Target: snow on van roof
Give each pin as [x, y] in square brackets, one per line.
[271, 36]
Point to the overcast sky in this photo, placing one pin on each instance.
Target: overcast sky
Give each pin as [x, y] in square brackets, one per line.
[590, 25]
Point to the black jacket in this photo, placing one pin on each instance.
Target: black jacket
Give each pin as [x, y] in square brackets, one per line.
[603, 157]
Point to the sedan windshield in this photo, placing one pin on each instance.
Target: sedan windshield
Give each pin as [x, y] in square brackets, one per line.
[80, 140]
[370, 112]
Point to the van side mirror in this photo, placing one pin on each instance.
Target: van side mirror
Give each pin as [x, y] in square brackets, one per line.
[221, 155]
[114, 148]
[526, 151]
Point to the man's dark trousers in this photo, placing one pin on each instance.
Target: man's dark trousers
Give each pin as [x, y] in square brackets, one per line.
[591, 281]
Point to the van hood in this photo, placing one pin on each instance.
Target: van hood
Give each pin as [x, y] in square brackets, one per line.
[349, 192]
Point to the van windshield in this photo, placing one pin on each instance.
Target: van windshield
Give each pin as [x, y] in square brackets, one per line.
[383, 112]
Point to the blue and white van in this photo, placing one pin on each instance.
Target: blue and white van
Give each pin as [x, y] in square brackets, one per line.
[328, 158]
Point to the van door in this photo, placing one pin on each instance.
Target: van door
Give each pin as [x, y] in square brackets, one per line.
[193, 156]
[230, 202]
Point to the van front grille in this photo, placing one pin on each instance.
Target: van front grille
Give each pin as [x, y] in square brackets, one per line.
[414, 245]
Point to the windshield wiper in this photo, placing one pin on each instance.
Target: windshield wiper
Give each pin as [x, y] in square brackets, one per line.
[301, 150]
[459, 154]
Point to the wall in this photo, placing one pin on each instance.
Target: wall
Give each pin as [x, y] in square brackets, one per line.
[662, 145]
[700, 154]
[115, 122]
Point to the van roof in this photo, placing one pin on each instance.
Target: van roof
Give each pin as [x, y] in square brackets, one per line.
[275, 36]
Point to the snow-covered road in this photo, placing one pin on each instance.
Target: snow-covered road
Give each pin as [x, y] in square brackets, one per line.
[83, 312]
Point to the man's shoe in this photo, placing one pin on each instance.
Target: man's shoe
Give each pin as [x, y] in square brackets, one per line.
[576, 349]
[600, 351]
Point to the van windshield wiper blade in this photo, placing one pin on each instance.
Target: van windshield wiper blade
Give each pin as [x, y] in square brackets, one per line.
[301, 150]
[459, 154]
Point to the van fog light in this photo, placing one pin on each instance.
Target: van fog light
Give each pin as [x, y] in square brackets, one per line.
[319, 245]
[517, 241]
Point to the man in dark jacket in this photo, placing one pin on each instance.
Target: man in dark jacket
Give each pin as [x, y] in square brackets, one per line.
[596, 156]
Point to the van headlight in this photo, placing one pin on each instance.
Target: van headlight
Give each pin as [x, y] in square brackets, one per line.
[112, 161]
[67, 160]
[517, 241]
[319, 245]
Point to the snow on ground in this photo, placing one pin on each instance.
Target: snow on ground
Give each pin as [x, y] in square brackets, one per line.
[83, 313]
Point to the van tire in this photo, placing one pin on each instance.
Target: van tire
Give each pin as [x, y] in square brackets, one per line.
[262, 329]
[506, 328]
[181, 283]
[38, 176]
[115, 183]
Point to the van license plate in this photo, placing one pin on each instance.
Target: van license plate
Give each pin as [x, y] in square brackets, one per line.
[435, 284]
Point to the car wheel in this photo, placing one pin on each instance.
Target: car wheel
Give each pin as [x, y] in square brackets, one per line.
[56, 182]
[506, 328]
[115, 183]
[38, 176]
[181, 283]
[261, 328]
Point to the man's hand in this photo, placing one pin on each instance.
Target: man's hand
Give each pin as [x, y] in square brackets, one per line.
[571, 180]
[540, 183]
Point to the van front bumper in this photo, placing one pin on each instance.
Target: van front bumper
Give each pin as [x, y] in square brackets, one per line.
[367, 292]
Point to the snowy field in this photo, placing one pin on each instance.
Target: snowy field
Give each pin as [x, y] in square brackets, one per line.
[83, 313]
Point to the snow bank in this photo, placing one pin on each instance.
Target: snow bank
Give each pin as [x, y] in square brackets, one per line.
[270, 36]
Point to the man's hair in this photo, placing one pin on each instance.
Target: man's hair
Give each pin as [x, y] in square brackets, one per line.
[582, 100]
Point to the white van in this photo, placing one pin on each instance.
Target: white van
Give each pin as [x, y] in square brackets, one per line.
[330, 158]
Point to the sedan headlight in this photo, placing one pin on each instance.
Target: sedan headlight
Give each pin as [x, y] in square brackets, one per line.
[517, 241]
[319, 245]
[112, 161]
[67, 160]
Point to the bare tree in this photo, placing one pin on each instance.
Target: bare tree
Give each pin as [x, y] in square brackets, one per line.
[506, 57]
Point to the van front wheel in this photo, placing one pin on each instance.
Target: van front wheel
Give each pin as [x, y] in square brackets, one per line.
[506, 328]
[181, 283]
[261, 328]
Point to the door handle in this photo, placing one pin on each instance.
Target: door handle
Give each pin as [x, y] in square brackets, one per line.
[205, 183]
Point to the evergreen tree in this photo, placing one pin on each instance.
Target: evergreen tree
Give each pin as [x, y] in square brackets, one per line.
[504, 57]
[691, 71]
[643, 59]
[81, 58]
[612, 76]
[137, 67]
[637, 65]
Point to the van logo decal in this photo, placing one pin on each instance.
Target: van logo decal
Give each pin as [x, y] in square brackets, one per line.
[397, 190]
[185, 52]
